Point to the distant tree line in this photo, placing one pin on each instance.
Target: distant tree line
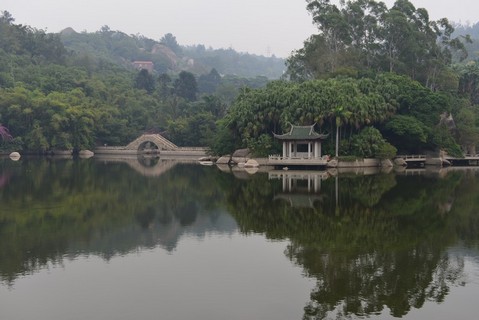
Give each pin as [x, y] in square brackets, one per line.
[168, 55]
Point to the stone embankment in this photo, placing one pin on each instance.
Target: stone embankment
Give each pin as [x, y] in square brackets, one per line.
[363, 163]
[244, 158]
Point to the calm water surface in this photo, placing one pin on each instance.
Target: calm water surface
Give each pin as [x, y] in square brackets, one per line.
[156, 239]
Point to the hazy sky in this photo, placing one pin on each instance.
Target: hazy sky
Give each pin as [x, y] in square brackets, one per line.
[255, 26]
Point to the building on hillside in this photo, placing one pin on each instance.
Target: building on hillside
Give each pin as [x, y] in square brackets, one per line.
[147, 65]
[301, 146]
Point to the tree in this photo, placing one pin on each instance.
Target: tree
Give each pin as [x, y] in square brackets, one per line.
[224, 141]
[186, 86]
[207, 83]
[364, 35]
[192, 130]
[164, 81]
[369, 143]
[469, 81]
[467, 129]
[213, 105]
[35, 140]
[442, 139]
[406, 132]
[333, 27]
[169, 40]
[340, 117]
[144, 80]
[6, 17]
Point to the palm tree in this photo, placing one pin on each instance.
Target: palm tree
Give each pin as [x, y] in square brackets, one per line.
[341, 116]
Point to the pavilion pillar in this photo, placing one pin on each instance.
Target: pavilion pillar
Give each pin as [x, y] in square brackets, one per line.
[285, 149]
[317, 184]
[309, 150]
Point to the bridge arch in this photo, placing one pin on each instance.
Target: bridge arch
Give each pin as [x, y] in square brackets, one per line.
[151, 142]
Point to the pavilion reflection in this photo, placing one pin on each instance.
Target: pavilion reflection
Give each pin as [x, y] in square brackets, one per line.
[300, 181]
[301, 189]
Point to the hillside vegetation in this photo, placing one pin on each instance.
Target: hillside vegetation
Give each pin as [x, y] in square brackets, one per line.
[77, 90]
[167, 55]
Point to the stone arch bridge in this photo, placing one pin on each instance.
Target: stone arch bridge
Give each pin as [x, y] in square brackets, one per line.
[152, 141]
[153, 144]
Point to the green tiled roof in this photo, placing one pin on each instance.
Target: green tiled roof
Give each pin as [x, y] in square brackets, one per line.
[301, 133]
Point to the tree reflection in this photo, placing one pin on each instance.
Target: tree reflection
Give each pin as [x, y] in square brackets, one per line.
[379, 244]
[382, 244]
[56, 208]
[364, 284]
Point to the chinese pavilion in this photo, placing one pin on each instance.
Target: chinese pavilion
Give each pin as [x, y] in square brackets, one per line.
[301, 142]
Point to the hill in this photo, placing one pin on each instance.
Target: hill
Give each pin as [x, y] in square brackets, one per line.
[168, 56]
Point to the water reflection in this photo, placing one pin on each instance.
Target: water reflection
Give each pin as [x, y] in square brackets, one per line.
[144, 164]
[4, 179]
[300, 188]
[373, 243]
[55, 207]
[380, 244]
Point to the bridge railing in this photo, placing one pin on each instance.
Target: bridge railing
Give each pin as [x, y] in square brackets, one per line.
[163, 140]
[411, 156]
[110, 148]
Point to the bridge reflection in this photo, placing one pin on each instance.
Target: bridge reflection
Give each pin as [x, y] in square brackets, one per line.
[146, 165]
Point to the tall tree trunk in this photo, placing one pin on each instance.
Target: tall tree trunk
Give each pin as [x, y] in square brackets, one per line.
[337, 141]
[336, 208]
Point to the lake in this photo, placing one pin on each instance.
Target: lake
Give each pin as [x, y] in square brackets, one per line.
[150, 238]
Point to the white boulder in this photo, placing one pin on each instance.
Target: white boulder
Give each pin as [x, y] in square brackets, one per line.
[15, 156]
[86, 154]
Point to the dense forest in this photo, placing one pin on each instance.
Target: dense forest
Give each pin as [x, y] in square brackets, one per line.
[76, 91]
[381, 80]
